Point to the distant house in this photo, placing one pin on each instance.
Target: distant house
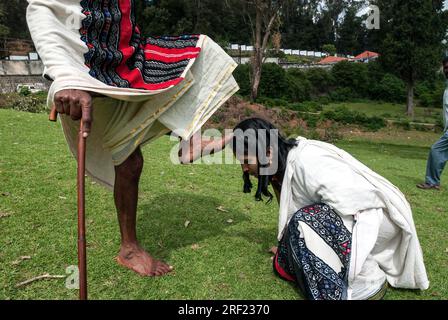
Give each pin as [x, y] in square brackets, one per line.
[332, 60]
[367, 56]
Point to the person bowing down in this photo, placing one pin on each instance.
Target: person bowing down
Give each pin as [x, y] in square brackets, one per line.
[344, 231]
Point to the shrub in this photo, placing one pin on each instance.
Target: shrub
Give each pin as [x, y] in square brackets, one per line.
[307, 106]
[299, 107]
[374, 123]
[242, 77]
[24, 92]
[352, 75]
[323, 100]
[429, 94]
[345, 116]
[321, 80]
[343, 94]
[440, 124]
[376, 72]
[313, 106]
[390, 88]
[299, 88]
[272, 103]
[274, 82]
[405, 124]
[34, 103]
[310, 119]
[331, 131]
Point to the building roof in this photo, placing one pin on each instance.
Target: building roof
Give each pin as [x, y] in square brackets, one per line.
[331, 60]
[367, 55]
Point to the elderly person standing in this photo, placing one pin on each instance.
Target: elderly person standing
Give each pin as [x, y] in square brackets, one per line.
[135, 88]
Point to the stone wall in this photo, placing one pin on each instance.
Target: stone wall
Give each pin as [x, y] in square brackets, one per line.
[13, 73]
[9, 84]
[21, 68]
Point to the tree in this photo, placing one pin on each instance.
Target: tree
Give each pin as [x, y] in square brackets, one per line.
[333, 10]
[412, 48]
[299, 24]
[4, 30]
[262, 16]
[351, 33]
[329, 49]
[173, 17]
[15, 18]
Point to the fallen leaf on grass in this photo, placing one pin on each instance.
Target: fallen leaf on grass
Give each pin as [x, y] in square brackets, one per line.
[20, 260]
[44, 276]
[242, 276]
[187, 223]
[230, 221]
[62, 198]
[221, 208]
[4, 215]
[195, 246]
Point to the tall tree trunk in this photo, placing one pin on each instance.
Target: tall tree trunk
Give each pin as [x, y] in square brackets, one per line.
[256, 76]
[257, 62]
[410, 100]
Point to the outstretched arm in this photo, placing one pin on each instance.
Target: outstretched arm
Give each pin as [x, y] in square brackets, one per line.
[193, 149]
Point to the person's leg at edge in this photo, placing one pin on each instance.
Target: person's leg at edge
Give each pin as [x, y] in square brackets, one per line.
[437, 161]
[132, 255]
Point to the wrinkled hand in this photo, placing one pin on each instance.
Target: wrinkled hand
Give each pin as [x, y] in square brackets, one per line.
[78, 105]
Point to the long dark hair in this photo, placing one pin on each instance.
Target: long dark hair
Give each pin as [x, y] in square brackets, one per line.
[281, 145]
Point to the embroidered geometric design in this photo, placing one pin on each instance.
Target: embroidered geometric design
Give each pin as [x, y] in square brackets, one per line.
[318, 280]
[118, 55]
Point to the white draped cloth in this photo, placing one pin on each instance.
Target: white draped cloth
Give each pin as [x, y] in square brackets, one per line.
[127, 118]
[385, 244]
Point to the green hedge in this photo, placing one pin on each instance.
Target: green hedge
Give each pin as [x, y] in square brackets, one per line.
[346, 81]
[25, 101]
[345, 116]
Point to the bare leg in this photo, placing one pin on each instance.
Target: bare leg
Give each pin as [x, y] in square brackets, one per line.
[132, 255]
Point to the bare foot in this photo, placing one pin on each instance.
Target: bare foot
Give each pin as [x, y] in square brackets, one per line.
[137, 259]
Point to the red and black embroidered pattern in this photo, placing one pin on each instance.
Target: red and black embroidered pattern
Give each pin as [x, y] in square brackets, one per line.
[119, 56]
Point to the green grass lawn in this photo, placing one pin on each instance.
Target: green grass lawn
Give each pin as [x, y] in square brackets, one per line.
[213, 259]
[391, 111]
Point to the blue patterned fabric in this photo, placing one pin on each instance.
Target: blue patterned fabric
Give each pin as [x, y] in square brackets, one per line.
[313, 276]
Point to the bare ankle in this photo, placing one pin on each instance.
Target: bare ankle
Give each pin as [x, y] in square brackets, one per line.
[130, 247]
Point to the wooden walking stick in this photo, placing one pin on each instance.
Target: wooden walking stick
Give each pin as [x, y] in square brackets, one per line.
[82, 253]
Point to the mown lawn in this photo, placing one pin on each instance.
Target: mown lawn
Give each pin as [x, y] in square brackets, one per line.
[222, 254]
